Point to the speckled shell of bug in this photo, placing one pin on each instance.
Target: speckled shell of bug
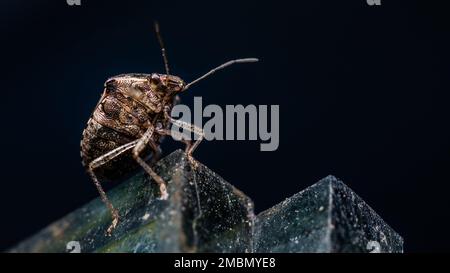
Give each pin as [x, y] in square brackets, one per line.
[117, 119]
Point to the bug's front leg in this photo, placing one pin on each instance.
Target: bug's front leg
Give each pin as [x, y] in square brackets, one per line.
[145, 140]
[98, 162]
[190, 147]
[157, 152]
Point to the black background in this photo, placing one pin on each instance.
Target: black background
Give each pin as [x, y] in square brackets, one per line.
[363, 95]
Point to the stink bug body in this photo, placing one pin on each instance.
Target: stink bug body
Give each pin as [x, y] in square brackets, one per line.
[129, 122]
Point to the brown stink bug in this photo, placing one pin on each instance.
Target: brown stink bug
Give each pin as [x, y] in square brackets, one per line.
[129, 122]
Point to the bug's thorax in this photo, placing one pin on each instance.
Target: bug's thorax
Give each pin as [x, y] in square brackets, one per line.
[151, 90]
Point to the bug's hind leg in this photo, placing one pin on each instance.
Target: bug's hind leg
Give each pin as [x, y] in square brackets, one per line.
[98, 162]
[140, 146]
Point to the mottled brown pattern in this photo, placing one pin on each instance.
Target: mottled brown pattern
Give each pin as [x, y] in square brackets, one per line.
[119, 119]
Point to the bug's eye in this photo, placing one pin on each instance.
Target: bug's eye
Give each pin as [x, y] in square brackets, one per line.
[154, 79]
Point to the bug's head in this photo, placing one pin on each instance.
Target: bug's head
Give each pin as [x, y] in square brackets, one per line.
[166, 83]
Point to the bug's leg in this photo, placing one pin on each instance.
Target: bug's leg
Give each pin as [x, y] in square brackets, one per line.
[140, 146]
[179, 136]
[99, 162]
[157, 152]
[190, 148]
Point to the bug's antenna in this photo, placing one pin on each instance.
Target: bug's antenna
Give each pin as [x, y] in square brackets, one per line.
[212, 71]
[163, 49]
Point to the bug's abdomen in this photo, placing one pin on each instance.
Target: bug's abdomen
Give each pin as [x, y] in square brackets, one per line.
[99, 140]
